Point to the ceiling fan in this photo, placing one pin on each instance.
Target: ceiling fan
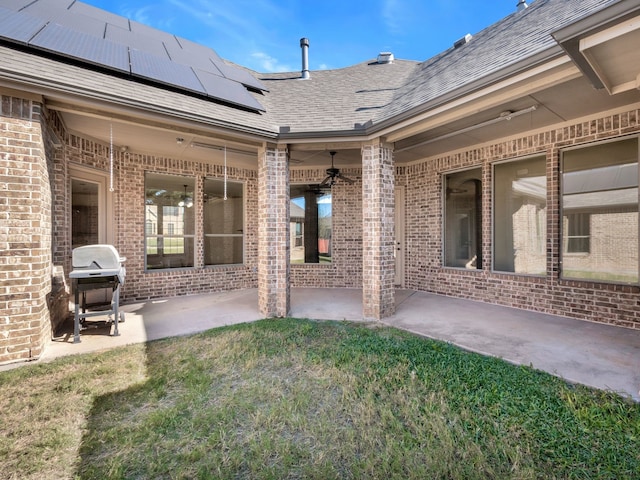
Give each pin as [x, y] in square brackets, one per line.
[333, 174]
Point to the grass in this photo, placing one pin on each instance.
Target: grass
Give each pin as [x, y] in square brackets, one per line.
[292, 398]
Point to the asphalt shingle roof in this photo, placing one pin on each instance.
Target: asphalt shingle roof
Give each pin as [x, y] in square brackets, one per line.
[84, 33]
[348, 100]
[75, 79]
[519, 36]
[334, 100]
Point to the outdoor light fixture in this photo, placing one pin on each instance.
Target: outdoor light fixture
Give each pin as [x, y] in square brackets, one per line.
[185, 201]
[221, 148]
[504, 116]
[179, 140]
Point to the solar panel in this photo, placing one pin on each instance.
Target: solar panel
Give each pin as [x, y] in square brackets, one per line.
[49, 9]
[18, 27]
[164, 71]
[207, 57]
[82, 32]
[240, 75]
[15, 5]
[82, 23]
[227, 90]
[60, 39]
[94, 12]
[180, 55]
[134, 41]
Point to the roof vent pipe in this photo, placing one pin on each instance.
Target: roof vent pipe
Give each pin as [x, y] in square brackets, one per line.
[522, 4]
[304, 45]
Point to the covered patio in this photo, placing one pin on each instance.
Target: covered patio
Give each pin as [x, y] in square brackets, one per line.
[597, 355]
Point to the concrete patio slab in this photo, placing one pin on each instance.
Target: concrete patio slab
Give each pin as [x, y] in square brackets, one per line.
[601, 356]
[154, 319]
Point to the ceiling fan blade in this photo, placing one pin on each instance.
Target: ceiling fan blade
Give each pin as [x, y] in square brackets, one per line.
[346, 179]
[326, 181]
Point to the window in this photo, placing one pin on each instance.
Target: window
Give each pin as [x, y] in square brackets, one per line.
[520, 216]
[600, 212]
[578, 232]
[169, 221]
[463, 219]
[310, 224]
[223, 222]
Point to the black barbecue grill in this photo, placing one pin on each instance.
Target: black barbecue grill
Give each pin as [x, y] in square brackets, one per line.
[96, 267]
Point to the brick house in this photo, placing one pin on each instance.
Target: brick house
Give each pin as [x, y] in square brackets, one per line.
[503, 170]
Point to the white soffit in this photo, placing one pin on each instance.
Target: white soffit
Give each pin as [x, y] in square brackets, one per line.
[614, 55]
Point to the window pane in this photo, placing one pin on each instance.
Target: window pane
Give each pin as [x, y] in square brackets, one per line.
[310, 217]
[578, 232]
[463, 219]
[223, 250]
[600, 212]
[169, 221]
[520, 216]
[85, 213]
[223, 218]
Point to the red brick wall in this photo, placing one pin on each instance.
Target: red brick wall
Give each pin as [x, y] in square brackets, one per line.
[273, 237]
[35, 231]
[599, 302]
[129, 207]
[345, 269]
[128, 198]
[25, 230]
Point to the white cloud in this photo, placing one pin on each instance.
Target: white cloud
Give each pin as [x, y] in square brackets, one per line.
[268, 64]
[149, 15]
[236, 28]
[392, 14]
[140, 15]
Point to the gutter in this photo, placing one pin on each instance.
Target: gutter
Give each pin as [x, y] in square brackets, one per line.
[569, 36]
[64, 92]
[409, 116]
[422, 112]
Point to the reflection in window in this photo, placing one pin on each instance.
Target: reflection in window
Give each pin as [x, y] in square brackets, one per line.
[223, 222]
[310, 217]
[578, 232]
[600, 212]
[169, 221]
[463, 219]
[85, 213]
[520, 216]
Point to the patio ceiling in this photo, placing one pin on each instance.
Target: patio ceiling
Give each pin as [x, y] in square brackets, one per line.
[614, 56]
[564, 102]
[605, 46]
[150, 137]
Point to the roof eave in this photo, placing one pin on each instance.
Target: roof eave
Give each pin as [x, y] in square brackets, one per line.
[66, 93]
[569, 37]
[540, 58]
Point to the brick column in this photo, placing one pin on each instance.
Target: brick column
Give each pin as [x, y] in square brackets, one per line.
[25, 231]
[378, 264]
[273, 232]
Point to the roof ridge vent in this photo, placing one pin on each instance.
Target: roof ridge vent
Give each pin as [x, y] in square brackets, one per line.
[385, 57]
[464, 40]
[522, 4]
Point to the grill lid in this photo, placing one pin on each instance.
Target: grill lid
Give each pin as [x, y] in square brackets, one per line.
[97, 261]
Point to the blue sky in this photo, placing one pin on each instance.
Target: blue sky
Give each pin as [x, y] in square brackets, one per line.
[264, 35]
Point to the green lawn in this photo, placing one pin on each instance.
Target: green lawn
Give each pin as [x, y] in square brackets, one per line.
[291, 398]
